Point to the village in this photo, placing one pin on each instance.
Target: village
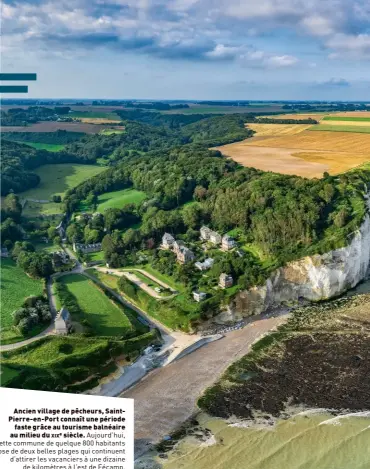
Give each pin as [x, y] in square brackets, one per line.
[185, 255]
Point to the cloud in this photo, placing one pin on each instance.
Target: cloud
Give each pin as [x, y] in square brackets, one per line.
[334, 83]
[214, 30]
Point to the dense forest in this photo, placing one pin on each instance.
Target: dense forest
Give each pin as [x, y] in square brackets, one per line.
[59, 137]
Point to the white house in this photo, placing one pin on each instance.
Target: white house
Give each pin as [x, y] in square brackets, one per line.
[205, 265]
[205, 233]
[225, 281]
[199, 296]
[184, 255]
[62, 322]
[228, 243]
[215, 238]
[167, 241]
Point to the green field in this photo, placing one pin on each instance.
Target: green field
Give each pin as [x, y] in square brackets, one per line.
[341, 128]
[56, 179]
[43, 146]
[94, 115]
[15, 287]
[105, 317]
[118, 199]
[344, 118]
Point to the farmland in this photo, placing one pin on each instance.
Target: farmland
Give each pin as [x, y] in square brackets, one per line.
[301, 150]
[52, 126]
[104, 316]
[15, 287]
[347, 118]
[339, 127]
[94, 115]
[270, 130]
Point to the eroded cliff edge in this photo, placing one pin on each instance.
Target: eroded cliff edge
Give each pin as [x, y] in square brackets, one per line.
[313, 278]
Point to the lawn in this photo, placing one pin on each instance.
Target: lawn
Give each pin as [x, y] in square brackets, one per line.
[118, 199]
[15, 287]
[106, 318]
[342, 128]
[43, 146]
[56, 179]
[95, 256]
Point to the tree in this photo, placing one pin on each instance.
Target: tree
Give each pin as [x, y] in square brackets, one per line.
[74, 233]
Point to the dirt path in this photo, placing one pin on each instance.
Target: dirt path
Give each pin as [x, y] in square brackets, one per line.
[130, 275]
[167, 397]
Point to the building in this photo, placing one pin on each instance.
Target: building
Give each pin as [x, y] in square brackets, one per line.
[86, 248]
[215, 238]
[177, 246]
[4, 252]
[184, 255]
[63, 322]
[205, 265]
[59, 258]
[205, 233]
[199, 296]
[167, 241]
[228, 243]
[225, 281]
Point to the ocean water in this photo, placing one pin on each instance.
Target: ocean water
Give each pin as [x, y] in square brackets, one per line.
[306, 441]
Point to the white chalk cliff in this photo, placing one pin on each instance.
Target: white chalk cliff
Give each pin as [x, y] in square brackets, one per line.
[314, 278]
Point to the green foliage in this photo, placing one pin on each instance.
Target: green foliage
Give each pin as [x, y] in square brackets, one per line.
[57, 363]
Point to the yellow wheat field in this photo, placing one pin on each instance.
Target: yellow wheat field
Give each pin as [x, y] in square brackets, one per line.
[267, 130]
[308, 154]
[319, 141]
[346, 123]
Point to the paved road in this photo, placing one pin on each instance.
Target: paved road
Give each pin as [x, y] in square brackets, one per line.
[49, 331]
[168, 395]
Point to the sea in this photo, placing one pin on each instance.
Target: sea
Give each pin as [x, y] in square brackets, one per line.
[312, 439]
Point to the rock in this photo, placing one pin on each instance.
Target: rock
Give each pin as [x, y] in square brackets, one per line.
[312, 278]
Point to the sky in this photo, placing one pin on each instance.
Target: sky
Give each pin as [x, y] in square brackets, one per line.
[190, 49]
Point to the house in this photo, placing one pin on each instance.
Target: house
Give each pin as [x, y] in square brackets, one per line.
[227, 243]
[199, 296]
[184, 255]
[205, 265]
[177, 246]
[86, 248]
[205, 233]
[215, 238]
[63, 322]
[167, 241]
[59, 258]
[4, 252]
[225, 281]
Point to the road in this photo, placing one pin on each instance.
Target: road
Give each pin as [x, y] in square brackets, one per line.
[168, 395]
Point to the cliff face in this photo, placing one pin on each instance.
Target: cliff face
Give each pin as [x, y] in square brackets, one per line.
[312, 278]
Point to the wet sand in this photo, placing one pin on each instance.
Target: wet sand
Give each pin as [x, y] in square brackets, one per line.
[167, 396]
